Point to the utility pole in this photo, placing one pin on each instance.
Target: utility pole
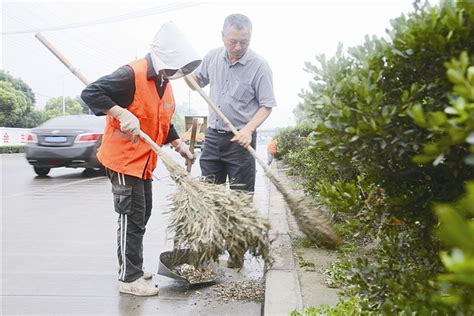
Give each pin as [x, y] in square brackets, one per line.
[64, 104]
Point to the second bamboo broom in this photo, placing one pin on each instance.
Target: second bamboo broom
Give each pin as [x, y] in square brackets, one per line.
[313, 222]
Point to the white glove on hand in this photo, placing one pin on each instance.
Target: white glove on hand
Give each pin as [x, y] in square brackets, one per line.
[183, 150]
[129, 122]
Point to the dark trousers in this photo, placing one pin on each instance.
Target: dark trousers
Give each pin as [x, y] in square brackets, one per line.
[133, 203]
[222, 159]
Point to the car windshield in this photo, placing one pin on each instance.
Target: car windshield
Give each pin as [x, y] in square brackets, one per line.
[75, 121]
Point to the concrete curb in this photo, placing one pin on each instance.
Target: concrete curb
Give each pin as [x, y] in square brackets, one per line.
[282, 285]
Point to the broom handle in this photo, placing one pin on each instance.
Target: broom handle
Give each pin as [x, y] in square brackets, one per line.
[62, 58]
[172, 166]
[150, 142]
[192, 141]
[211, 103]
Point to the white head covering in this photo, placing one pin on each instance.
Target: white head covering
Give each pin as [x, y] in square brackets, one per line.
[171, 52]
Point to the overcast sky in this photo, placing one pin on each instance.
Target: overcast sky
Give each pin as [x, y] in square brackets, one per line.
[285, 34]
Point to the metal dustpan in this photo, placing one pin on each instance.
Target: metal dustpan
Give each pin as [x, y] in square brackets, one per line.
[171, 259]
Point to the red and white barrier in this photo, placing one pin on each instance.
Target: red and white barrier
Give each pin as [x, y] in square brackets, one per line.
[10, 136]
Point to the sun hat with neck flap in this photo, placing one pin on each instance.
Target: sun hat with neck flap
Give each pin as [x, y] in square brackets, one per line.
[172, 54]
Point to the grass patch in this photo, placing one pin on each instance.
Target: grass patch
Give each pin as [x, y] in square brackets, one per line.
[305, 264]
[303, 243]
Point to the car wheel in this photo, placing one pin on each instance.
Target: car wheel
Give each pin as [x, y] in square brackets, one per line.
[42, 171]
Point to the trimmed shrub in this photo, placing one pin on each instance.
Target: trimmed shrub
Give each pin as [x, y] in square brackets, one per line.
[12, 149]
[394, 119]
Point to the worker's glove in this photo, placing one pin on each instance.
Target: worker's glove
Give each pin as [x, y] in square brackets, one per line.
[129, 122]
[184, 151]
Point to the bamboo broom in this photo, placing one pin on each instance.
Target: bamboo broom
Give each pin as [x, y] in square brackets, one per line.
[312, 221]
[206, 218]
[209, 219]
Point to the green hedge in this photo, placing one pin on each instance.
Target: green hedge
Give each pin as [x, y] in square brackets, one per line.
[457, 231]
[392, 134]
[12, 149]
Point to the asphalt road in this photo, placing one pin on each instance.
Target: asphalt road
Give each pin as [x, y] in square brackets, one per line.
[58, 239]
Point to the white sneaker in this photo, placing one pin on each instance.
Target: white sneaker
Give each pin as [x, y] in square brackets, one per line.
[139, 287]
[147, 275]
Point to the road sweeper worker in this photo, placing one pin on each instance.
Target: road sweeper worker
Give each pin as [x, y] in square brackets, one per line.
[139, 96]
[241, 84]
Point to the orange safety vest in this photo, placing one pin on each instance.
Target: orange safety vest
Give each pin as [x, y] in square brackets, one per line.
[122, 152]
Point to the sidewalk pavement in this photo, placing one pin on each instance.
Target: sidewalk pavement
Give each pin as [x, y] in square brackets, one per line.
[289, 287]
[282, 286]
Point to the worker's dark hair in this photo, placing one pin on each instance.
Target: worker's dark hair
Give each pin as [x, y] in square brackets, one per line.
[239, 21]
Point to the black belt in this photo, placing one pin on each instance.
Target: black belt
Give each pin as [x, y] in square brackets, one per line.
[222, 131]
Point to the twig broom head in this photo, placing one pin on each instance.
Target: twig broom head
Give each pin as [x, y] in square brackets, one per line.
[312, 221]
[209, 219]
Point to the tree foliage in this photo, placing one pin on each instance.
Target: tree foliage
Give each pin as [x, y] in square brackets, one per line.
[13, 104]
[17, 103]
[18, 84]
[63, 106]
